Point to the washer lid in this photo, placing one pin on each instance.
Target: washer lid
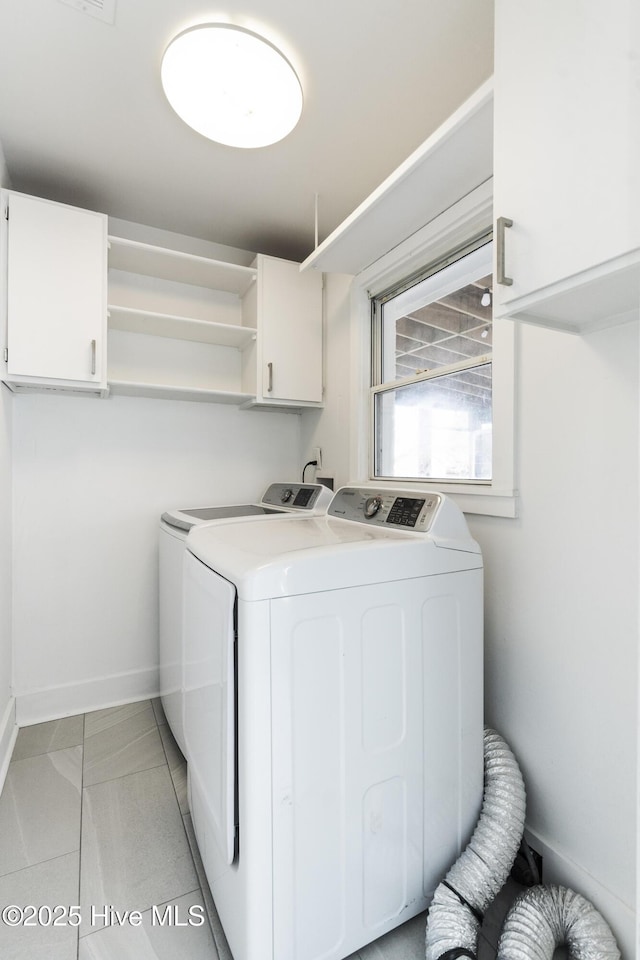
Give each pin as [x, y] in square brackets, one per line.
[186, 519]
[287, 556]
[283, 497]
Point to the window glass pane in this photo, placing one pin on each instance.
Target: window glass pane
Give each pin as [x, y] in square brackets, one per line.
[436, 429]
[442, 320]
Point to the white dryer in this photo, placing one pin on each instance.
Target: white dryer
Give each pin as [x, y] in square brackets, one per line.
[333, 717]
[279, 499]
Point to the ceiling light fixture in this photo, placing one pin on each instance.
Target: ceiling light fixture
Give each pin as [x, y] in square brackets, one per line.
[485, 299]
[231, 85]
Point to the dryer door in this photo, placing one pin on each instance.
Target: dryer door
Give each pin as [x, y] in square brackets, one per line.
[209, 702]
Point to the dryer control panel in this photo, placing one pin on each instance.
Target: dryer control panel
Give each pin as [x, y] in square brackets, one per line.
[398, 509]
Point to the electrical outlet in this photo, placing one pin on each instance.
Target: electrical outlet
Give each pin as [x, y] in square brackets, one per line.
[316, 454]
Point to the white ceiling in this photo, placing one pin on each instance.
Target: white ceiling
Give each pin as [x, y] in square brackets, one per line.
[83, 118]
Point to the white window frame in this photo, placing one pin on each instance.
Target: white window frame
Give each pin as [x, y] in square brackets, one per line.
[466, 219]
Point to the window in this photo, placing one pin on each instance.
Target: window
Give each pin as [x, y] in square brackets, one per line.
[396, 273]
[432, 394]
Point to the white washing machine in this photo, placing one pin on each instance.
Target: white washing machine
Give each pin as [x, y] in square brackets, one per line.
[278, 499]
[333, 717]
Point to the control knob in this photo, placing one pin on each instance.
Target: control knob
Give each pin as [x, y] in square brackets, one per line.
[372, 506]
[286, 495]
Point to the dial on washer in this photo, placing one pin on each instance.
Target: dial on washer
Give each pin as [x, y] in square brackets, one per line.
[372, 506]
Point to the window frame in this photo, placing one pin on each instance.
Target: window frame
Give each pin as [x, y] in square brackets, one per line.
[383, 340]
[448, 232]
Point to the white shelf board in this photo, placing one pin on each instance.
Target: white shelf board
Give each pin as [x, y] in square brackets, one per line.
[164, 391]
[282, 406]
[600, 297]
[452, 162]
[133, 320]
[136, 257]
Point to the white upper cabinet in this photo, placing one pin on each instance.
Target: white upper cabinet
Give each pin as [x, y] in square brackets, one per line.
[567, 161]
[189, 327]
[85, 311]
[56, 278]
[286, 308]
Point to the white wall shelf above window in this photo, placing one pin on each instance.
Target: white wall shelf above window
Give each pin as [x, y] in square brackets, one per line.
[179, 328]
[133, 256]
[451, 163]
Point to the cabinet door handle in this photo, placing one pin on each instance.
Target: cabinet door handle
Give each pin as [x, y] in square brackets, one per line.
[270, 380]
[93, 357]
[502, 224]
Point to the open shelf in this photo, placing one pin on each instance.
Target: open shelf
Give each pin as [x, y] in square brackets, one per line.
[452, 162]
[179, 328]
[163, 391]
[133, 256]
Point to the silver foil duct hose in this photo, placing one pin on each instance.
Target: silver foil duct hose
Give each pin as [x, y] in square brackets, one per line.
[476, 878]
[543, 918]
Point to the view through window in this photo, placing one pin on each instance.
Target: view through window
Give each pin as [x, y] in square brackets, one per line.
[432, 398]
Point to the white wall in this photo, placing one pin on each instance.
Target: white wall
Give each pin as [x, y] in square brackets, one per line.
[561, 610]
[6, 701]
[561, 601]
[91, 478]
[5, 559]
[329, 428]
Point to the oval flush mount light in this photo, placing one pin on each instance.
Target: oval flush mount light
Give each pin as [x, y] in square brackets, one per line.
[231, 85]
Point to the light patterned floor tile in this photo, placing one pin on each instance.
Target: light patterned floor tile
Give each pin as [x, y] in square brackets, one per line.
[158, 709]
[158, 937]
[177, 767]
[134, 849]
[99, 720]
[40, 809]
[47, 737]
[129, 744]
[49, 884]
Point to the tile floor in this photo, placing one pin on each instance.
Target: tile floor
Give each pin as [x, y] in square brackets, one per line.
[94, 812]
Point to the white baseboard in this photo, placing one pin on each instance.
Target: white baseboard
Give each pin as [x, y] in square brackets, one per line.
[8, 734]
[560, 869]
[54, 703]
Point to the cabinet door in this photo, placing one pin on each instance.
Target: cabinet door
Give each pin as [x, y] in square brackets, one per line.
[56, 288]
[567, 136]
[290, 323]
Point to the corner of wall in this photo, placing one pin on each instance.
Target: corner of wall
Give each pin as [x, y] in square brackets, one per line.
[8, 729]
[4, 172]
[8, 735]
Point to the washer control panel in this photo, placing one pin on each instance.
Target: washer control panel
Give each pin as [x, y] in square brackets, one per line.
[296, 496]
[386, 508]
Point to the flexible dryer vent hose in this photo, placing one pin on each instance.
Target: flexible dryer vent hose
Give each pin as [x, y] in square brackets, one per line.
[542, 918]
[476, 878]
